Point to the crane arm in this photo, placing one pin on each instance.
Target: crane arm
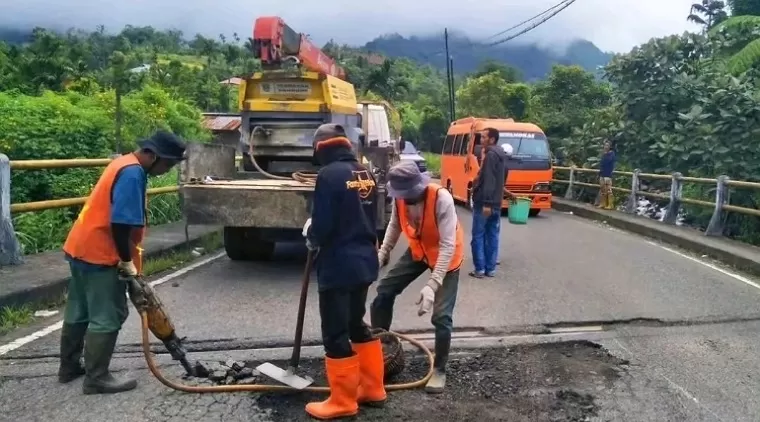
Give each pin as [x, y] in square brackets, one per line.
[273, 40]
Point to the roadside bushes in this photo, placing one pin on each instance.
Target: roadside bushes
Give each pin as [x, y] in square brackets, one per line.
[72, 125]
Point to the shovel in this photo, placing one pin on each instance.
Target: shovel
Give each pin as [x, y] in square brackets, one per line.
[288, 377]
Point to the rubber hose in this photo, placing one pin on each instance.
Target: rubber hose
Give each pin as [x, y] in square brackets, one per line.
[299, 176]
[268, 387]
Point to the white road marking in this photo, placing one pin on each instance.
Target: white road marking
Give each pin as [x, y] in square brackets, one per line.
[731, 274]
[21, 342]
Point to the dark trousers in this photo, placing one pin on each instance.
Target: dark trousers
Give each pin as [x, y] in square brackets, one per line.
[342, 311]
[399, 278]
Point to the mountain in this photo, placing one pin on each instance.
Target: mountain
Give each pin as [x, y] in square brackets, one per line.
[533, 61]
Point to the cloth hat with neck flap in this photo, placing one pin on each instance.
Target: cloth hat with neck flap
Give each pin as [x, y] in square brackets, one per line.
[405, 181]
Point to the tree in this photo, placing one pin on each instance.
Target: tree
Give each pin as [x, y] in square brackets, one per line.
[708, 13]
[508, 73]
[744, 7]
[483, 96]
[432, 129]
[386, 82]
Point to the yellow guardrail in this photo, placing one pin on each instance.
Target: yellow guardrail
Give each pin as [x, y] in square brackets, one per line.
[723, 185]
[65, 164]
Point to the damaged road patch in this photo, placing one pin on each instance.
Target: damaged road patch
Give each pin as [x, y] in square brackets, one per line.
[542, 382]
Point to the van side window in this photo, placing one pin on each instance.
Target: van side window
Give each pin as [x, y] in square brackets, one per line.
[465, 145]
[457, 145]
[477, 139]
[447, 144]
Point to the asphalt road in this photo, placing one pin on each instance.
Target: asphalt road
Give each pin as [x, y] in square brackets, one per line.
[557, 270]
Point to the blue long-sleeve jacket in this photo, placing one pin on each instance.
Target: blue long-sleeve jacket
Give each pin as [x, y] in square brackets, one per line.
[343, 221]
[607, 164]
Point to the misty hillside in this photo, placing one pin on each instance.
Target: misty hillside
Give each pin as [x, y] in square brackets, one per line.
[533, 61]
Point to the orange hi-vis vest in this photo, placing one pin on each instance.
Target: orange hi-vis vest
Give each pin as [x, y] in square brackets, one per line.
[424, 241]
[90, 239]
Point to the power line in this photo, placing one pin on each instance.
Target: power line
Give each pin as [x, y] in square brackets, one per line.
[566, 4]
[528, 20]
[550, 13]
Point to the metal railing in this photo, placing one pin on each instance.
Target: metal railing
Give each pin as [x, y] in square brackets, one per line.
[10, 253]
[675, 198]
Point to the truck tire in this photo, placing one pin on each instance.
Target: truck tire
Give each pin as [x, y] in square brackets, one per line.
[244, 244]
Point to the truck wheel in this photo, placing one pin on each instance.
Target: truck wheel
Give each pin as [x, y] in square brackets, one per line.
[534, 212]
[244, 244]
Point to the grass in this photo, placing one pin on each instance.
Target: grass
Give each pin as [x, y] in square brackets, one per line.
[196, 62]
[12, 317]
[433, 162]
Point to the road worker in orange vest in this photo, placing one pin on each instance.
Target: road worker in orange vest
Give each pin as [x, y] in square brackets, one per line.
[425, 213]
[103, 244]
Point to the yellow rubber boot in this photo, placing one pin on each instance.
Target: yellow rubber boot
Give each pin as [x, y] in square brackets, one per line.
[610, 205]
[371, 373]
[343, 379]
[602, 200]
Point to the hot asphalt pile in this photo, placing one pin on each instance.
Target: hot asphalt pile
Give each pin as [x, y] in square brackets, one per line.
[543, 382]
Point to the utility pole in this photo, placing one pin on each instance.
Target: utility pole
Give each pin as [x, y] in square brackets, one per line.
[452, 102]
[449, 76]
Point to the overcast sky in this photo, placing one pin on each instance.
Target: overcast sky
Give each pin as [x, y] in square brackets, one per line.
[613, 25]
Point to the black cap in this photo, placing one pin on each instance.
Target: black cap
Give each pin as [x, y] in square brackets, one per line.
[165, 145]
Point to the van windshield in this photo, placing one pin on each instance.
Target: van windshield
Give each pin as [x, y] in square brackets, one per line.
[528, 145]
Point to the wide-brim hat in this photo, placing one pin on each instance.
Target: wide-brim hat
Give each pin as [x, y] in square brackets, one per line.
[165, 145]
[405, 181]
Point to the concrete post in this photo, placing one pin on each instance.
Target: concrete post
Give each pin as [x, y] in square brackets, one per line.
[632, 204]
[715, 227]
[10, 250]
[569, 194]
[676, 193]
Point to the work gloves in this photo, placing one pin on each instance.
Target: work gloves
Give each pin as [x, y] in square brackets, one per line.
[305, 234]
[427, 297]
[127, 268]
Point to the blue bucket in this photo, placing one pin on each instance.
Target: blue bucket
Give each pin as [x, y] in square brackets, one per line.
[519, 210]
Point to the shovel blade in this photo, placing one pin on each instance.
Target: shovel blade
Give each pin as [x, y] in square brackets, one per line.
[283, 376]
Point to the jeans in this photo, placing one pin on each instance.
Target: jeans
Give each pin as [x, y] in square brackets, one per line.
[485, 239]
[342, 312]
[399, 278]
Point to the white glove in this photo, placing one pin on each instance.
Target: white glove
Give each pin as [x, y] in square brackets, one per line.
[127, 268]
[382, 259]
[306, 226]
[426, 300]
[309, 246]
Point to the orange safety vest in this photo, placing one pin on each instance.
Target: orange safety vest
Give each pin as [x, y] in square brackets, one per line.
[424, 241]
[90, 239]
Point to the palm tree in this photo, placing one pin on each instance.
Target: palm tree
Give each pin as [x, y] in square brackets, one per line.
[708, 13]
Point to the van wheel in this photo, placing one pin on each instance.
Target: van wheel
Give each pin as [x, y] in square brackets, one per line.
[448, 187]
[470, 203]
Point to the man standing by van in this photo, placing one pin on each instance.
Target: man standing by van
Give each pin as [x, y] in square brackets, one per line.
[487, 196]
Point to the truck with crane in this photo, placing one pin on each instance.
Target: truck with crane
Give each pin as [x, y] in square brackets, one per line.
[267, 199]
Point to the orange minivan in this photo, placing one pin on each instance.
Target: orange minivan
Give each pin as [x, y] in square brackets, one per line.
[530, 168]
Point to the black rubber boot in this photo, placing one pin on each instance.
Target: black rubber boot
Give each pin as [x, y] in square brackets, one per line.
[72, 343]
[98, 350]
[437, 382]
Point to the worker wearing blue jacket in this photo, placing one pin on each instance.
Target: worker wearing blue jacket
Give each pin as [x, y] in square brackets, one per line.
[342, 231]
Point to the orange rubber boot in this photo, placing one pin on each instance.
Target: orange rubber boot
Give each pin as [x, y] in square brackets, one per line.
[343, 379]
[372, 372]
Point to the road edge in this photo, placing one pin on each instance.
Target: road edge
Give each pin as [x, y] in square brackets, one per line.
[56, 287]
[664, 234]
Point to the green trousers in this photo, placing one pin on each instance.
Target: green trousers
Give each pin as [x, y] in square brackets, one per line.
[97, 297]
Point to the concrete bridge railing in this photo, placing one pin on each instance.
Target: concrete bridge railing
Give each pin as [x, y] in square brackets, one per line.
[722, 186]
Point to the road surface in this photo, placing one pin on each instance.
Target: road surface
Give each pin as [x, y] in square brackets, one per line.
[688, 331]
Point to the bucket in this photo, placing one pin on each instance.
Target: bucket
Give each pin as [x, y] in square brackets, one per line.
[518, 210]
